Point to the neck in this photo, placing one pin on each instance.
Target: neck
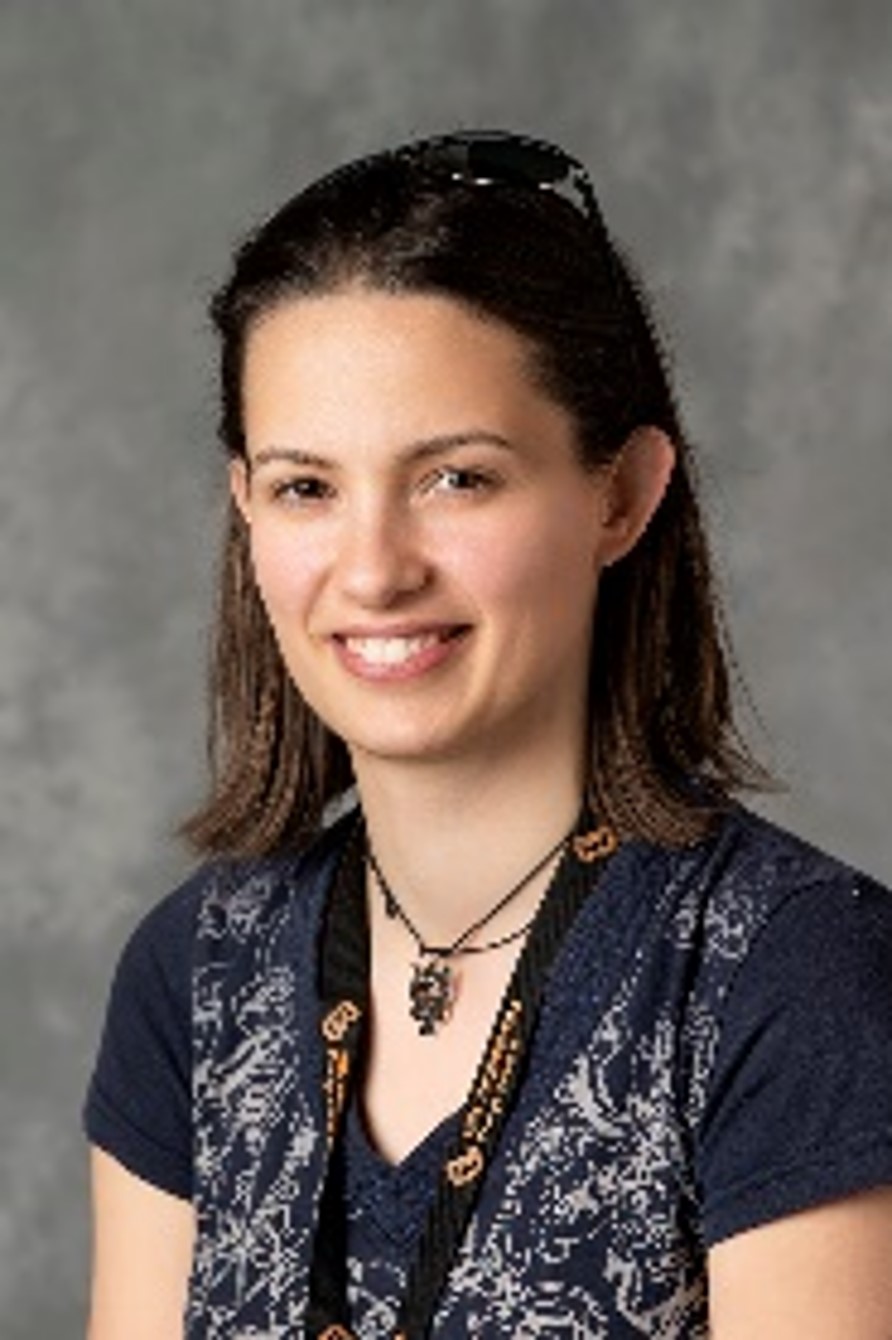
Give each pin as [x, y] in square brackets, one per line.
[452, 839]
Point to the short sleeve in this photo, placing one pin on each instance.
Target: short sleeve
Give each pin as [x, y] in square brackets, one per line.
[138, 1104]
[800, 1104]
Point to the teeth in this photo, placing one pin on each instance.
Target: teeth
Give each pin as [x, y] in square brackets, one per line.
[389, 650]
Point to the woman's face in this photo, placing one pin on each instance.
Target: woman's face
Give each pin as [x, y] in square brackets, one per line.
[425, 542]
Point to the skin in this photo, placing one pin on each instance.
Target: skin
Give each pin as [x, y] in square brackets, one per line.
[406, 474]
[142, 1254]
[384, 529]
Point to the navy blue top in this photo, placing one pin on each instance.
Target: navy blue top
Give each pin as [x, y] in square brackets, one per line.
[714, 1051]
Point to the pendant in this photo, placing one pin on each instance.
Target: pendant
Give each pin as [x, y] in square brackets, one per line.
[431, 992]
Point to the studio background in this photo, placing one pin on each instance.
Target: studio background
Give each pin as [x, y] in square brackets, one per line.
[743, 153]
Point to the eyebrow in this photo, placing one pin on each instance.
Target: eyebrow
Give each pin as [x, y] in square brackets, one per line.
[413, 451]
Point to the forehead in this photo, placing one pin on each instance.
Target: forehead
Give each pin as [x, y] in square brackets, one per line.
[397, 365]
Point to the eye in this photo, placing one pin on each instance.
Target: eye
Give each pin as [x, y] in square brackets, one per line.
[457, 479]
[301, 489]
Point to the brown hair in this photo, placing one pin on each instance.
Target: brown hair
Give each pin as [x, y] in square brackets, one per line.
[665, 752]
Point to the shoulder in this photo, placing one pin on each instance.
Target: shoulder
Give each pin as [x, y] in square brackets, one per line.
[820, 952]
[786, 917]
[751, 878]
[780, 928]
[748, 853]
[171, 996]
[230, 899]
[225, 921]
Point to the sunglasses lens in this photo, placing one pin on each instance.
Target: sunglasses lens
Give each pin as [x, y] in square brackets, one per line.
[487, 157]
[527, 164]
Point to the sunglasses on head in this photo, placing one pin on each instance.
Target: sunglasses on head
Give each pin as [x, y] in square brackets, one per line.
[492, 157]
[488, 158]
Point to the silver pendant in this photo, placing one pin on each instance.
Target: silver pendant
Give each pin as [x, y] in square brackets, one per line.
[431, 993]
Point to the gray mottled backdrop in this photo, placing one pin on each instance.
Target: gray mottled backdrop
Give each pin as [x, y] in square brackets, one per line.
[743, 150]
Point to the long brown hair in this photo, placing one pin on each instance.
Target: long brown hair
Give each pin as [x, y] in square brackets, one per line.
[665, 752]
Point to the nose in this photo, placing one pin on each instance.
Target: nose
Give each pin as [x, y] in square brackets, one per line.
[380, 557]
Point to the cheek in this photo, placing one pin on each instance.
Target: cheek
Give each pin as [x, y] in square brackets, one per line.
[284, 571]
[533, 568]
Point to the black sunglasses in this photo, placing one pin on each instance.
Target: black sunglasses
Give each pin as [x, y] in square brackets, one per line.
[487, 157]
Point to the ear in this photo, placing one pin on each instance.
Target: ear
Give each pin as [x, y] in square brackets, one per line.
[240, 486]
[635, 484]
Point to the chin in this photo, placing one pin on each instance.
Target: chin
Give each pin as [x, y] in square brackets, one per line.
[400, 750]
[406, 746]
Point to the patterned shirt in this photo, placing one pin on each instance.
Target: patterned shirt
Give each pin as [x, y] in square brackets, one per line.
[714, 1051]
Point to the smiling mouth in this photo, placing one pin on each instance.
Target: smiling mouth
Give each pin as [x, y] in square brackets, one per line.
[395, 651]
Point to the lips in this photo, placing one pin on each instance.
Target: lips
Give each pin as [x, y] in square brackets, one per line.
[390, 650]
[396, 653]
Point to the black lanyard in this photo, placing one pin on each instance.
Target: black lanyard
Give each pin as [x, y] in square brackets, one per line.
[345, 997]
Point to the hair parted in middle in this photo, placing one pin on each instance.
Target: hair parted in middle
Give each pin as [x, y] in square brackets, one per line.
[665, 752]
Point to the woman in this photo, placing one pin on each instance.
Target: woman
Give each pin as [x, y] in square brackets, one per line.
[546, 1035]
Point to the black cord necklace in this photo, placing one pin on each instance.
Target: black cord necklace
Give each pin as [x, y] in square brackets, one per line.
[432, 987]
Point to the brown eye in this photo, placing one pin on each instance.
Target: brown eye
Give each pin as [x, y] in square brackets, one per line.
[455, 479]
[306, 488]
